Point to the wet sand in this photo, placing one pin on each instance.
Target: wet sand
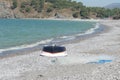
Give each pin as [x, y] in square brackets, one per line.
[78, 65]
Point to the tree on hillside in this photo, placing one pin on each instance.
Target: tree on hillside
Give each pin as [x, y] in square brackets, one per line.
[78, 6]
[14, 4]
[84, 13]
[38, 5]
[60, 4]
[25, 7]
[76, 15]
[33, 3]
[69, 0]
[116, 11]
[42, 3]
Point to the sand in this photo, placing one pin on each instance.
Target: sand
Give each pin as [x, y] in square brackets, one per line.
[80, 64]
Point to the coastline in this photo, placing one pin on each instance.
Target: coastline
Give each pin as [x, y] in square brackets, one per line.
[66, 19]
[35, 47]
[17, 50]
[105, 45]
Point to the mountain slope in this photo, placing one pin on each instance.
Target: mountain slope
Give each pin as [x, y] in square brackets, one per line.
[113, 5]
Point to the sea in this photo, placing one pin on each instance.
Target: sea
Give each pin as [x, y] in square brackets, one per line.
[16, 34]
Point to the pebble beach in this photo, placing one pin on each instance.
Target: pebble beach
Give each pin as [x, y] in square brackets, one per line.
[86, 60]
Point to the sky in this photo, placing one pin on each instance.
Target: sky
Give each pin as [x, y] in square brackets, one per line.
[98, 3]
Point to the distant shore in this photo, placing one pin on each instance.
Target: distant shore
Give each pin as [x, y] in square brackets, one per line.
[78, 65]
[71, 19]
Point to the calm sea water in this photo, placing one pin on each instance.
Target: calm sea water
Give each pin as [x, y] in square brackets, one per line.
[18, 32]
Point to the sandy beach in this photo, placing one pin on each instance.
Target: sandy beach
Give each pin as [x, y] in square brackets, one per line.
[82, 62]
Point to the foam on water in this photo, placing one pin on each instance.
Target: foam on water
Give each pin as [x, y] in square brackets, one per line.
[72, 37]
[25, 46]
[93, 29]
[90, 31]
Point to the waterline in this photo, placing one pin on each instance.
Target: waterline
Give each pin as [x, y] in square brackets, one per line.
[21, 34]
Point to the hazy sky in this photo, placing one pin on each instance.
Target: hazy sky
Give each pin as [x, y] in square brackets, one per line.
[98, 2]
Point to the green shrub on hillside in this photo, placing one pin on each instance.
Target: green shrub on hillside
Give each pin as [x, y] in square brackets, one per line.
[23, 4]
[28, 9]
[49, 9]
[76, 15]
[14, 4]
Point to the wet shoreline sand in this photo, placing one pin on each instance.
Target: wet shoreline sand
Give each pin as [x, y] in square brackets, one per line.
[75, 66]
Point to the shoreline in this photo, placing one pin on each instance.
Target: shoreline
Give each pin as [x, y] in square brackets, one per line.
[66, 19]
[85, 36]
[75, 66]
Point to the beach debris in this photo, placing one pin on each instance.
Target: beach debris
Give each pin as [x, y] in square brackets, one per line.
[101, 61]
[40, 75]
[54, 60]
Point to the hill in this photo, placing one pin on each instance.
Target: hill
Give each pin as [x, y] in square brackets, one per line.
[113, 5]
[53, 9]
[39, 8]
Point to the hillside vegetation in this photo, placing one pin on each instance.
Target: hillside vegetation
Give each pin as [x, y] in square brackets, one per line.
[58, 9]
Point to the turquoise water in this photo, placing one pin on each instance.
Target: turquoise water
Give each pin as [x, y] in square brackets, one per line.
[17, 32]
